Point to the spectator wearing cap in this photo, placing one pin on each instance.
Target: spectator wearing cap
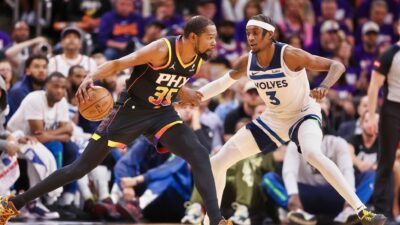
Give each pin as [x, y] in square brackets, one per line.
[71, 44]
[227, 46]
[329, 10]
[246, 109]
[297, 21]
[118, 27]
[365, 53]
[329, 40]
[378, 13]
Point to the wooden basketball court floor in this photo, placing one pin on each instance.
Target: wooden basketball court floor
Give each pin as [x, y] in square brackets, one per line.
[81, 223]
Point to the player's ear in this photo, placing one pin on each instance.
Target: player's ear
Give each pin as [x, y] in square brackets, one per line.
[193, 37]
[270, 35]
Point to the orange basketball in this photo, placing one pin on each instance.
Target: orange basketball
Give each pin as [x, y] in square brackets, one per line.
[99, 105]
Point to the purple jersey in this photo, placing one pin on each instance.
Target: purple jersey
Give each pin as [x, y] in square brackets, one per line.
[362, 58]
[386, 34]
[342, 26]
[120, 29]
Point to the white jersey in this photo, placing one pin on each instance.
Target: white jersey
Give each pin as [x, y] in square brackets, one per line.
[286, 94]
[284, 91]
[61, 64]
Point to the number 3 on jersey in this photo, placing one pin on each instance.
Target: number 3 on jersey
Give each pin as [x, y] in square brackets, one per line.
[163, 96]
[273, 98]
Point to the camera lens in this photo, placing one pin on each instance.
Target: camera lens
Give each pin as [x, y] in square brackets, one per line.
[44, 48]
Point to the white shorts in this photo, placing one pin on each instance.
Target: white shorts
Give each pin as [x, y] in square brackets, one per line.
[282, 128]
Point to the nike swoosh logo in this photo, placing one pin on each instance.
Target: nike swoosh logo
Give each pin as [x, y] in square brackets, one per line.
[253, 73]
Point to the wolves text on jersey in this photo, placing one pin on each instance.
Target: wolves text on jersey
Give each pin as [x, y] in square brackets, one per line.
[271, 84]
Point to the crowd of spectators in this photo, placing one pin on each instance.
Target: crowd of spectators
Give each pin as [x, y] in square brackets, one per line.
[42, 130]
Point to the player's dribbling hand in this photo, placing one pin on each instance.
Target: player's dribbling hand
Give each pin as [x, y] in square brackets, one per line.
[83, 93]
[319, 93]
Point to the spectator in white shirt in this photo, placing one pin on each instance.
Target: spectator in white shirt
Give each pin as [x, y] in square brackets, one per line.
[71, 44]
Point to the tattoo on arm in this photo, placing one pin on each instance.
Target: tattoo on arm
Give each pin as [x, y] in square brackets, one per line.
[335, 72]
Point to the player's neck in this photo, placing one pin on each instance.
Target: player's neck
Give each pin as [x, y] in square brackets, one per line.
[70, 54]
[264, 56]
[186, 50]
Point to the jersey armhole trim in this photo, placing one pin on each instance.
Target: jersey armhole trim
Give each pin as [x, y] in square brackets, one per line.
[169, 57]
[285, 67]
[199, 66]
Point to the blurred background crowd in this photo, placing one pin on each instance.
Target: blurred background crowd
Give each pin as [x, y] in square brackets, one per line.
[47, 47]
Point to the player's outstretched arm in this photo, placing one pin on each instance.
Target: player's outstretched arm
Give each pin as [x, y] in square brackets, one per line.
[297, 59]
[219, 85]
[155, 53]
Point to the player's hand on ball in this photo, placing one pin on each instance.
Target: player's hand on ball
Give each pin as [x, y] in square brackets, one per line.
[83, 91]
[319, 93]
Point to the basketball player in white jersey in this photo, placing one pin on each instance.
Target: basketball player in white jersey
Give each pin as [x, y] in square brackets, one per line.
[279, 73]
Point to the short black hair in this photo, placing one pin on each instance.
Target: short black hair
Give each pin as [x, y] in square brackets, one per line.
[54, 75]
[197, 25]
[72, 68]
[29, 61]
[265, 19]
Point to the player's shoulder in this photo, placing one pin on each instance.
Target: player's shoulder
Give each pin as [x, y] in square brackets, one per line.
[291, 51]
[161, 45]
